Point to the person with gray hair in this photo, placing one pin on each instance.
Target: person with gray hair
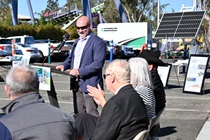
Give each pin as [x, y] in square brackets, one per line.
[27, 116]
[20, 80]
[142, 83]
[123, 116]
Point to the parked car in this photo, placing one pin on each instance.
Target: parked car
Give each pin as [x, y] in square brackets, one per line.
[45, 41]
[66, 49]
[7, 51]
[4, 42]
[117, 50]
[128, 51]
[42, 46]
[29, 51]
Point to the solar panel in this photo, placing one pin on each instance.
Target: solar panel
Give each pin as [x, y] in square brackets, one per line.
[180, 25]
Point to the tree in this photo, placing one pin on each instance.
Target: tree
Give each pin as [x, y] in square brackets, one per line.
[4, 10]
[141, 10]
[205, 5]
[110, 12]
[136, 11]
[52, 5]
[71, 4]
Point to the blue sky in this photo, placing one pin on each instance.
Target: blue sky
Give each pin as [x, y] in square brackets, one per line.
[39, 5]
[176, 4]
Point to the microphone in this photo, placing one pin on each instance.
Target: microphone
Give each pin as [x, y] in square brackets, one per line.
[59, 47]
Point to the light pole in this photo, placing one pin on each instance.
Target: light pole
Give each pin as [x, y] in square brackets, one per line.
[158, 11]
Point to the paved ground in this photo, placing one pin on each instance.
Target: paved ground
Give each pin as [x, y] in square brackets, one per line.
[183, 118]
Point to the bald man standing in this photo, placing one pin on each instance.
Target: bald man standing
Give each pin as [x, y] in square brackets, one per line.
[85, 63]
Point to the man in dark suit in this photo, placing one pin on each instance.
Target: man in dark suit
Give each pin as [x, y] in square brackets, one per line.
[123, 116]
[85, 63]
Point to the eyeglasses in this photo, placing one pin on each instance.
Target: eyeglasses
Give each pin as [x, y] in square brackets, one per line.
[83, 27]
[105, 75]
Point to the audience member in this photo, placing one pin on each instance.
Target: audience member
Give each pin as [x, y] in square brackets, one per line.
[153, 60]
[27, 117]
[142, 83]
[123, 116]
[86, 62]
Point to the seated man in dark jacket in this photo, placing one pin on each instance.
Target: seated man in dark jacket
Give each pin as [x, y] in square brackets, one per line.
[123, 115]
[27, 116]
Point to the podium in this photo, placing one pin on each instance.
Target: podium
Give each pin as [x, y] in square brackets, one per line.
[52, 95]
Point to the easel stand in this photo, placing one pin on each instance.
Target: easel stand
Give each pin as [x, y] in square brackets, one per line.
[176, 65]
[52, 95]
[196, 72]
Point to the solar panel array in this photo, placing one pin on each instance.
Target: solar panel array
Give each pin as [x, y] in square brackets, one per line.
[180, 25]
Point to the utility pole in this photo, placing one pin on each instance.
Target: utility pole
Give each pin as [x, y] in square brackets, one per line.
[158, 13]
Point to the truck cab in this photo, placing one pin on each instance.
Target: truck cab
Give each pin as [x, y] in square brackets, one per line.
[25, 39]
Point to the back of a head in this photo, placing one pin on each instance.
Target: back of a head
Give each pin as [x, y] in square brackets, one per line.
[152, 57]
[120, 69]
[22, 79]
[140, 74]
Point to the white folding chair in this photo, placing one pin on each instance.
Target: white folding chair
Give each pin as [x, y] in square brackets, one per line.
[154, 122]
[143, 135]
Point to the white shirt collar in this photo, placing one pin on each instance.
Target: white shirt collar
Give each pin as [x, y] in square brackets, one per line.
[120, 88]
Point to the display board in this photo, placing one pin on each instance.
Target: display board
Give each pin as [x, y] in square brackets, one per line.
[164, 73]
[195, 75]
[21, 60]
[44, 74]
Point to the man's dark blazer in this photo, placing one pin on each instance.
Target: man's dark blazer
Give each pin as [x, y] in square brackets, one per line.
[123, 116]
[92, 61]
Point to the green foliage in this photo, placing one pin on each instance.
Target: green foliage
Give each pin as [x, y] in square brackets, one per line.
[110, 12]
[72, 31]
[5, 11]
[52, 5]
[38, 32]
[7, 21]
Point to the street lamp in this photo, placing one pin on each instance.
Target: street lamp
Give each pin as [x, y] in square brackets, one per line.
[158, 11]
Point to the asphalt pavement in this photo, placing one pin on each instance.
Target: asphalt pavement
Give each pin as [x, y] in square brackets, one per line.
[186, 116]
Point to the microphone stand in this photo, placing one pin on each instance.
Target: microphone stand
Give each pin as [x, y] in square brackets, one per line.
[66, 37]
[50, 53]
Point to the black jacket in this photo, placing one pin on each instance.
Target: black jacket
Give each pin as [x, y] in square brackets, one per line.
[123, 116]
[158, 91]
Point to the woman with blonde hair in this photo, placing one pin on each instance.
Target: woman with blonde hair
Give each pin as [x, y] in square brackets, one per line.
[142, 83]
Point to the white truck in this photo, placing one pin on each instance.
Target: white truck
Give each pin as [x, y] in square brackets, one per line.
[133, 35]
[42, 47]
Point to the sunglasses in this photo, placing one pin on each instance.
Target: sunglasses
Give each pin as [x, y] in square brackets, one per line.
[105, 75]
[83, 27]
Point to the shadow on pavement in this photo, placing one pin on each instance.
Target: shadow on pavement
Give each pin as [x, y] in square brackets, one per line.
[206, 91]
[173, 86]
[167, 131]
[203, 92]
